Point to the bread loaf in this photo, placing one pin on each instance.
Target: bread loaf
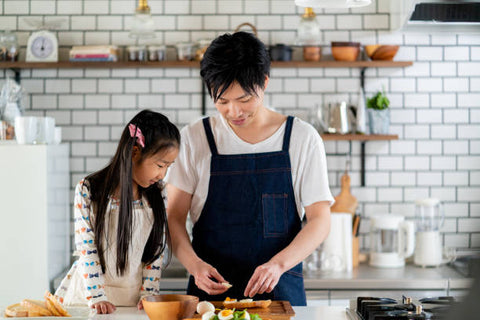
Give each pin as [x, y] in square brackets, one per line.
[244, 304]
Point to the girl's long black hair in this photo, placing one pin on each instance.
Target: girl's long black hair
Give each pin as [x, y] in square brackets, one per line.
[160, 135]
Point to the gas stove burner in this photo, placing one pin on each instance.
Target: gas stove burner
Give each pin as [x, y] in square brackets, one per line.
[375, 308]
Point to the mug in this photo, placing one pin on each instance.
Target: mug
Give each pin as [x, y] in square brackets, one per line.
[25, 129]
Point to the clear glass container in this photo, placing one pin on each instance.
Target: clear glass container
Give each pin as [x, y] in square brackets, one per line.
[309, 36]
[429, 214]
[136, 53]
[157, 53]
[11, 46]
[185, 51]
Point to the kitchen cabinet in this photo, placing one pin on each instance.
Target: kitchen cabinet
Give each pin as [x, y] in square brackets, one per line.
[34, 195]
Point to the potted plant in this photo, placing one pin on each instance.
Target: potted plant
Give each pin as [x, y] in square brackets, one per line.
[378, 113]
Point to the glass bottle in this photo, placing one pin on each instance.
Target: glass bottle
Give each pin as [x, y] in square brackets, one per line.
[309, 35]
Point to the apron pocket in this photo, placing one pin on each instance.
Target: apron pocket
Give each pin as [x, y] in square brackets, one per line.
[274, 208]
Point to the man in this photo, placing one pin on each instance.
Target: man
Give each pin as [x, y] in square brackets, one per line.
[248, 176]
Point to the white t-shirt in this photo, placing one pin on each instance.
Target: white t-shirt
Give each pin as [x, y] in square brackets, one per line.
[191, 170]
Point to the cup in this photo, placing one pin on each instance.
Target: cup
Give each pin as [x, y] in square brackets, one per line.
[25, 129]
[57, 136]
[3, 130]
[45, 130]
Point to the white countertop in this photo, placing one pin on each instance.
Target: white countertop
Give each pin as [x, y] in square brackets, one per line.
[124, 313]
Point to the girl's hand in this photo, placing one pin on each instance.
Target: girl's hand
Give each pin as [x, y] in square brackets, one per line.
[103, 307]
[205, 275]
[264, 279]
[140, 305]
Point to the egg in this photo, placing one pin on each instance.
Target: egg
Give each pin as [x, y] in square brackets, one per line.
[225, 314]
[205, 306]
[208, 315]
[245, 315]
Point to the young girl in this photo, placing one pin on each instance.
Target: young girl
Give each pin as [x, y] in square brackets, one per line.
[120, 221]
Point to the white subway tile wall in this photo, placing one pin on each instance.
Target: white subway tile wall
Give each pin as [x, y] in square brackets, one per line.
[435, 104]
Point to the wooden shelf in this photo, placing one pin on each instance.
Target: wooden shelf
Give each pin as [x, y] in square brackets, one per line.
[196, 64]
[358, 137]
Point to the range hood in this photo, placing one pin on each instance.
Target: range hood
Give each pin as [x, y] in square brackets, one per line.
[435, 16]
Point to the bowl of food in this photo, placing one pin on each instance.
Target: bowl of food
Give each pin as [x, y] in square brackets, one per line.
[345, 51]
[170, 306]
[381, 52]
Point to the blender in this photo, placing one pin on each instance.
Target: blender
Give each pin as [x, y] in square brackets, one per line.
[429, 217]
[391, 241]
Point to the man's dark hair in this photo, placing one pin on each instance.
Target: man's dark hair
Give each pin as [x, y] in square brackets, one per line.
[239, 57]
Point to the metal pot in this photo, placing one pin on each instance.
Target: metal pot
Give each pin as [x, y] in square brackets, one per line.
[280, 52]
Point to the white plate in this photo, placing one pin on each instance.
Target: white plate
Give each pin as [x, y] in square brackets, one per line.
[78, 313]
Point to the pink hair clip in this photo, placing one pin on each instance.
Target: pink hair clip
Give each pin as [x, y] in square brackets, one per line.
[136, 132]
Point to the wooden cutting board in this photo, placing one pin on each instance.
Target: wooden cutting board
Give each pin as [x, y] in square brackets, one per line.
[278, 310]
[345, 201]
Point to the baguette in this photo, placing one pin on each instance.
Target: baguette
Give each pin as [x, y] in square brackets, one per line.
[16, 311]
[37, 307]
[244, 304]
[55, 306]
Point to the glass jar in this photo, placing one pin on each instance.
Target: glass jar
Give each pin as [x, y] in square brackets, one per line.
[184, 51]
[157, 53]
[309, 35]
[11, 46]
[3, 49]
[136, 53]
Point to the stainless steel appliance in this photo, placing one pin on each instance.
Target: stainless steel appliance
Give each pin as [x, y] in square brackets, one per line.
[375, 308]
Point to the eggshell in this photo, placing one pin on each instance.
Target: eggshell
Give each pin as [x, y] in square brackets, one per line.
[205, 306]
[207, 315]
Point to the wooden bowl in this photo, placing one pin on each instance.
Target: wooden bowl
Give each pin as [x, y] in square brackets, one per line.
[345, 51]
[381, 52]
[170, 306]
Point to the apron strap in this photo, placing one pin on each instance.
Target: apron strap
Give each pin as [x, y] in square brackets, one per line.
[288, 132]
[209, 133]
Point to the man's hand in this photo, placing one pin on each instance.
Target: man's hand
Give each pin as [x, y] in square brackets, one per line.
[264, 279]
[205, 275]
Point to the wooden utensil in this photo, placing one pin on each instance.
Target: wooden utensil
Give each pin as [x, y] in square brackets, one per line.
[345, 201]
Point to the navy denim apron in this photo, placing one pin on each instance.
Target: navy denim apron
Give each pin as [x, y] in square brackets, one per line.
[249, 216]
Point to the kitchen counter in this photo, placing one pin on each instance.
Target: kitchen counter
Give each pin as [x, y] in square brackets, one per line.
[303, 313]
[369, 278]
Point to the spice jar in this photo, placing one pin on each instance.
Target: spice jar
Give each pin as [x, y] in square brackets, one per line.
[136, 53]
[10, 46]
[157, 53]
[184, 51]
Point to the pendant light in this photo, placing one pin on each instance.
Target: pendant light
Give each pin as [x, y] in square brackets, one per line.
[332, 3]
[142, 23]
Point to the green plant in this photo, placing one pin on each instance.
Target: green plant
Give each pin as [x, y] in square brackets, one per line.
[378, 102]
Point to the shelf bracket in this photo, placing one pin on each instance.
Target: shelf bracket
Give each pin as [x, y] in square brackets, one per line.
[362, 79]
[17, 76]
[362, 163]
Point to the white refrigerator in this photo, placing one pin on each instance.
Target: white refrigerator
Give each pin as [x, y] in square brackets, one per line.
[34, 219]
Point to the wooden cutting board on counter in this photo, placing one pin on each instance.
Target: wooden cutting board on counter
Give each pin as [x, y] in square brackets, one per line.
[278, 310]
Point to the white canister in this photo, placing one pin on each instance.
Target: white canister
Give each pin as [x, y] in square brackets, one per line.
[45, 130]
[25, 129]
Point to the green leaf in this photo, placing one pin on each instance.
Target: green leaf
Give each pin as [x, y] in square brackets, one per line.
[378, 102]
